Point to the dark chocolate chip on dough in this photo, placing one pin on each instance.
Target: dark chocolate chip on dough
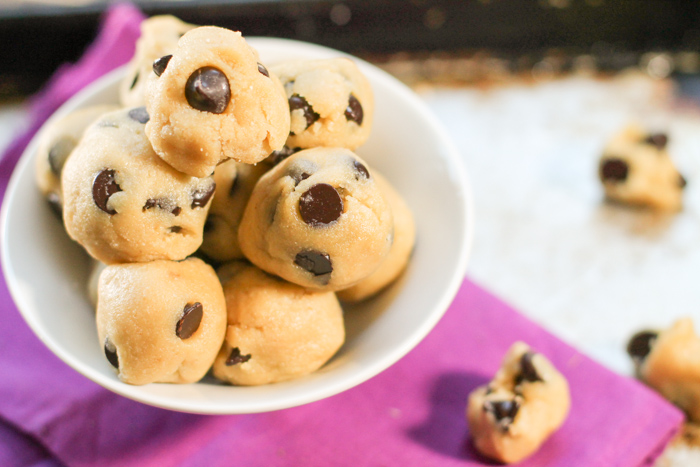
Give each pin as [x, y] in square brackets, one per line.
[103, 188]
[614, 170]
[136, 78]
[528, 372]
[111, 353]
[361, 169]
[201, 197]
[208, 90]
[164, 204]
[297, 102]
[353, 112]
[190, 321]
[660, 140]
[175, 229]
[315, 262]
[59, 152]
[640, 344]
[235, 357]
[160, 64]
[281, 154]
[139, 114]
[503, 411]
[682, 182]
[263, 70]
[320, 205]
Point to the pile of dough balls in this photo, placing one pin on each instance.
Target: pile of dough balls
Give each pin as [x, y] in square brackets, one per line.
[212, 159]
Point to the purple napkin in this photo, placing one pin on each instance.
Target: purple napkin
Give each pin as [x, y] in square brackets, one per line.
[411, 414]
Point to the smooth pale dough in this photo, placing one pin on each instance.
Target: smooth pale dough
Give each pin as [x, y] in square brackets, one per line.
[326, 86]
[672, 366]
[254, 123]
[56, 143]
[234, 184]
[399, 253]
[96, 268]
[139, 309]
[634, 170]
[527, 401]
[159, 36]
[159, 212]
[276, 331]
[328, 256]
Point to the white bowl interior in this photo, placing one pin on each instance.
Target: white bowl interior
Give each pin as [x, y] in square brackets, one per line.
[47, 272]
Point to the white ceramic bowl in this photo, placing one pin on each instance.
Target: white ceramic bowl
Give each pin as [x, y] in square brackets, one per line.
[47, 273]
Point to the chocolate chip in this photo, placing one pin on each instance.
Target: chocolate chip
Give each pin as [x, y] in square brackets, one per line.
[111, 353]
[281, 154]
[353, 112]
[189, 323]
[136, 78]
[320, 205]
[235, 357]
[503, 411]
[140, 115]
[103, 188]
[361, 169]
[614, 170]
[660, 140]
[55, 204]
[208, 90]
[682, 182]
[175, 229]
[201, 197]
[165, 204]
[59, 152]
[263, 70]
[160, 64]
[297, 102]
[528, 372]
[640, 344]
[317, 263]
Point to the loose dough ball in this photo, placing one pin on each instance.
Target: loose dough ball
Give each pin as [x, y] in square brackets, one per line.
[234, 182]
[56, 143]
[123, 203]
[159, 36]
[213, 100]
[636, 169]
[516, 412]
[669, 361]
[276, 331]
[330, 101]
[161, 322]
[399, 253]
[318, 219]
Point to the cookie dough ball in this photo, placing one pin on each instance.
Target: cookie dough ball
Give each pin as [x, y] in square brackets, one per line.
[159, 36]
[161, 322]
[57, 141]
[399, 253]
[276, 331]
[520, 408]
[123, 203]
[330, 101]
[669, 362]
[234, 182]
[213, 100]
[318, 219]
[636, 169]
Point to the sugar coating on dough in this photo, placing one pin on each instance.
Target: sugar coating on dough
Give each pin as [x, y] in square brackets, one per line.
[159, 36]
[254, 122]
[162, 321]
[527, 400]
[404, 237]
[122, 203]
[671, 365]
[279, 233]
[56, 143]
[637, 169]
[276, 331]
[327, 87]
[234, 184]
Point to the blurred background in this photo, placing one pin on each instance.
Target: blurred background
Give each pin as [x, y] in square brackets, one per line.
[488, 38]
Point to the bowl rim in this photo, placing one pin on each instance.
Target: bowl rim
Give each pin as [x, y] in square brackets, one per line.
[457, 171]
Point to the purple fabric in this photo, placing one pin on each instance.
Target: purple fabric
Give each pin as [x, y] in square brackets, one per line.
[411, 414]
